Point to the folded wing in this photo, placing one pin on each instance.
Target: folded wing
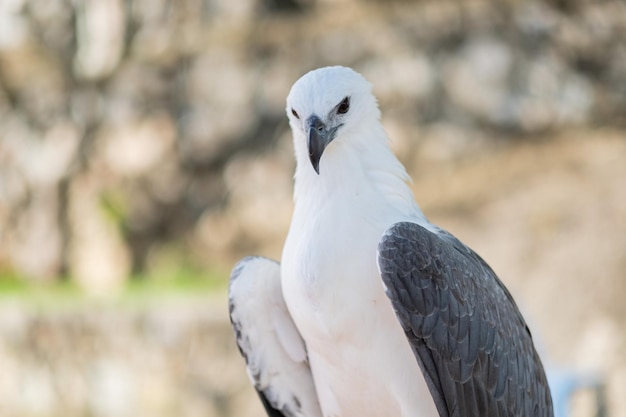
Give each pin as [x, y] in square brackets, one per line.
[468, 336]
[269, 341]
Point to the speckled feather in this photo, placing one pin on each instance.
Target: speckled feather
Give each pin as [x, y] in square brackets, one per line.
[466, 331]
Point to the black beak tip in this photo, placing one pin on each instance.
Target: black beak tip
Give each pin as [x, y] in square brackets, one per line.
[315, 163]
[316, 143]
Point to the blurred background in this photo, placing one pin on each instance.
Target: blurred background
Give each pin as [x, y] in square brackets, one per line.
[144, 149]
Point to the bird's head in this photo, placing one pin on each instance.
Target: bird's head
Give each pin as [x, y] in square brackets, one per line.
[330, 104]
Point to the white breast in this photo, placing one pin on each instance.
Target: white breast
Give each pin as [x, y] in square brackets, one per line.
[361, 361]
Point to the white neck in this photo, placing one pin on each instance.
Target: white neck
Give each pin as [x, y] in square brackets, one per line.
[355, 165]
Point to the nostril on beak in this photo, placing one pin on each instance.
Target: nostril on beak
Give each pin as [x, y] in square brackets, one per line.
[316, 123]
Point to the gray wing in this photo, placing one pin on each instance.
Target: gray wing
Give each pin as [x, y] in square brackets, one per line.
[468, 336]
[269, 341]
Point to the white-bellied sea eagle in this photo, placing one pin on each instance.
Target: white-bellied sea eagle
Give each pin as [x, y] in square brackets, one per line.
[374, 311]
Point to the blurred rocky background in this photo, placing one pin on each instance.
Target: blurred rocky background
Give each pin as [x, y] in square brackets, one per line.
[140, 134]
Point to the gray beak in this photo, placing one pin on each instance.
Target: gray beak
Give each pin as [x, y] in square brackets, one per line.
[319, 138]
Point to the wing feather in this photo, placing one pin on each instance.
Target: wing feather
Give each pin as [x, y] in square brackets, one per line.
[269, 341]
[466, 331]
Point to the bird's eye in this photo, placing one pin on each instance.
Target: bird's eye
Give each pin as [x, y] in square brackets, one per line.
[344, 106]
[295, 113]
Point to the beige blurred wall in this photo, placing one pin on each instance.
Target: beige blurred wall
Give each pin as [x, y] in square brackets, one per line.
[129, 126]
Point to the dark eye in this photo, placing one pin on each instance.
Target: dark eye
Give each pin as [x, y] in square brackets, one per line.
[295, 113]
[344, 106]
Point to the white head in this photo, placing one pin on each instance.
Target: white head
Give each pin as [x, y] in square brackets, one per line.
[330, 104]
[337, 134]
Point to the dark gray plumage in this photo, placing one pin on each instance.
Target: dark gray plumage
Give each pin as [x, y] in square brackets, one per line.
[468, 336]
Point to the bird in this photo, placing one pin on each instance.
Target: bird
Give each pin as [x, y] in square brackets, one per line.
[373, 310]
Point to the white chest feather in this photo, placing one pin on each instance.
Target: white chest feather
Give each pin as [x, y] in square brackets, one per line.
[329, 271]
[361, 362]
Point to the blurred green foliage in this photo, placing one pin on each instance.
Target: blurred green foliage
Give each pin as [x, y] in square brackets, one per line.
[172, 280]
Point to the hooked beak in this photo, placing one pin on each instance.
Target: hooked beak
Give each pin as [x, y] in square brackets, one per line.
[319, 137]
